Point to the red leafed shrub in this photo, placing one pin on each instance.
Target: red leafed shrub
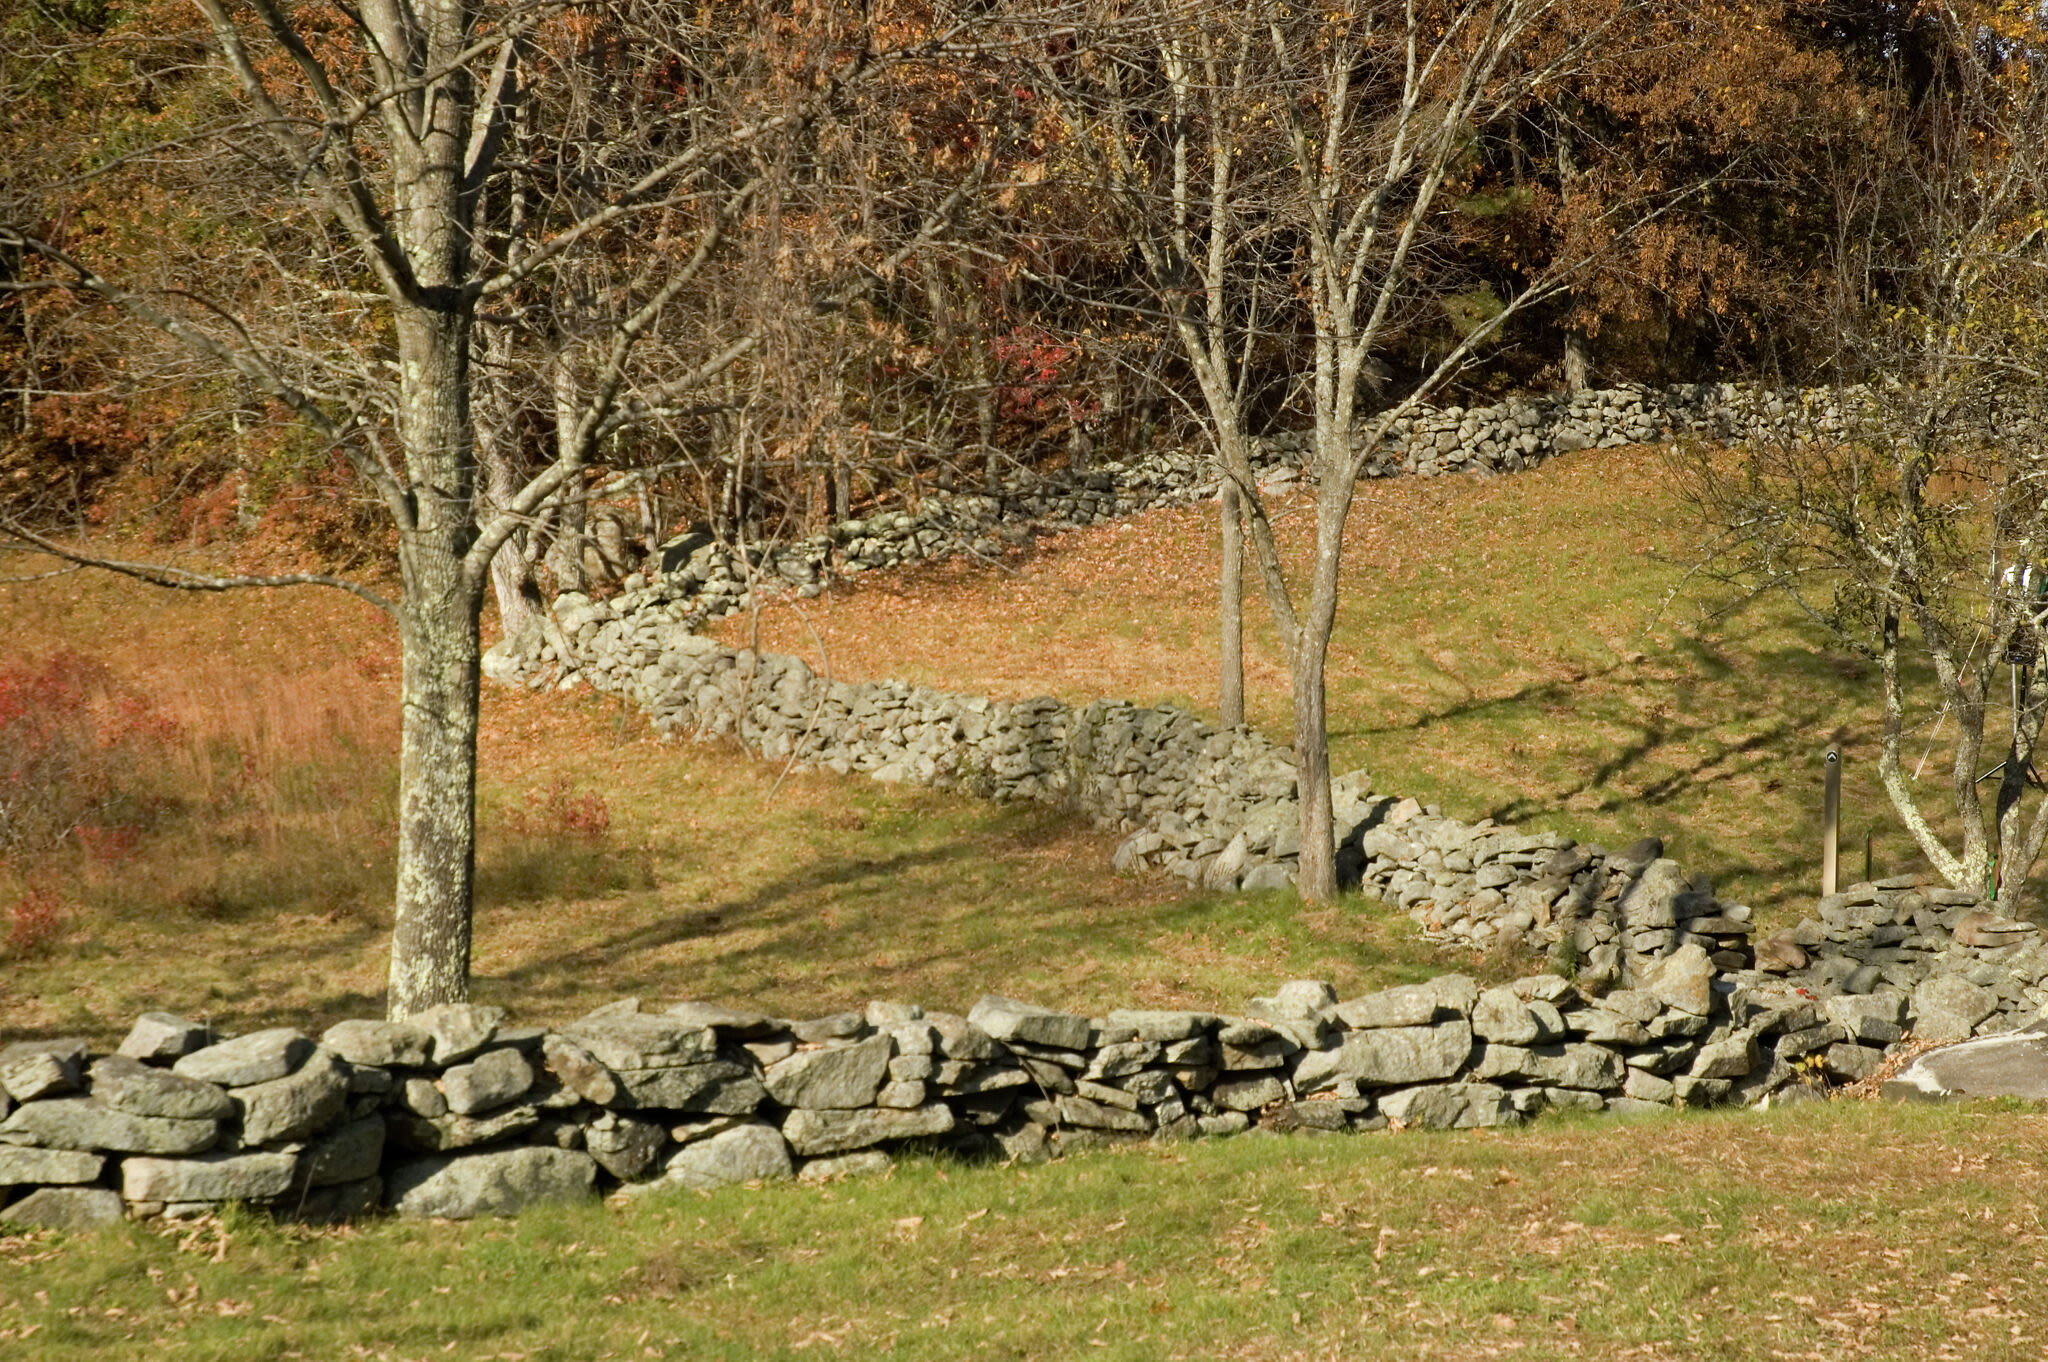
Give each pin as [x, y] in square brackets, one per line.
[564, 812]
[74, 749]
[37, 918]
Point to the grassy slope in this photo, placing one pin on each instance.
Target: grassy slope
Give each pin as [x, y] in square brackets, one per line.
[1509, 647]
[1846, 1231]
[262, 893]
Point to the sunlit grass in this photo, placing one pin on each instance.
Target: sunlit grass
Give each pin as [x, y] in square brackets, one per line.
[1852, 1230]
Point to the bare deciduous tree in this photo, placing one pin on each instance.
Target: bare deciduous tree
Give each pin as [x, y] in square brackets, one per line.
[381, 136]
[1905, 510]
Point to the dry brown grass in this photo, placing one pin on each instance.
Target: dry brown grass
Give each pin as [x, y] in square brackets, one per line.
[266, 897]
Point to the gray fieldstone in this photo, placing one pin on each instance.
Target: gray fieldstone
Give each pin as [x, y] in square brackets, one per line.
[625, 1148]
[65, 1208]
[581, 1072]
[1947, 1007]
[494, 1182]
[1398, 1056]
[210, 1177]
[689, 1087]
[459, 1030]
[130, 1085]
[451, 1132]
[492, 1079]
[725, 1019]
[295, 1106]
[1449, 1106]
[1006, 1019]
[34, 1069]
[1683, 980]
[833, 1078]
[1868, 1018]
[746, 1153]
[638, 1040]
[163, 1038]
[247, 1060]
[382, 1044]
[836, 1132]
[26, 1166]
[351, 1153]
[85, 1124]
[1440, 999]
[867, 1163]
[2011, 1065]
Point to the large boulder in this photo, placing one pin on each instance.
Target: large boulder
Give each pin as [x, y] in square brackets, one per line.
[2012, 1065]
[494, 1182]
[1948, 1007]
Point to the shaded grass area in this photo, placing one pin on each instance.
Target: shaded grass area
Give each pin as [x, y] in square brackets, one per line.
[1851, 1230]
[610, 863]
[1524, 648]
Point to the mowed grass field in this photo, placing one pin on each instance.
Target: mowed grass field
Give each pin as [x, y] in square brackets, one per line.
[1850, 1230]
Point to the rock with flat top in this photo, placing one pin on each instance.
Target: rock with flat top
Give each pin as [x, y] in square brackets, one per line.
[163, 1038]
[1007, 1019]
[34, 1069]
[257, 1057]
[494, 1182]
[144, 1090]
[843, 1076]
[295, 1106]
[380, 1044]
[65, 1208]
[86, 1124]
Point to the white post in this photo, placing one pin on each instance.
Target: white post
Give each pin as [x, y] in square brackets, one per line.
[1830, 817]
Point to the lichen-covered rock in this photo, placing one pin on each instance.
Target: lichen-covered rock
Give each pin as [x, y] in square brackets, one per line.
[1398, 1056]
[143, 1090]
[1006, 1019]
[247, 1060]
[296, 1105]
[34, 1069]
[210, 1177]
[65, 1208]
[496, 1182]
[382, 1044]
[836, 1132]
[838, 1077]
[746, 1153]
[85, 1124]
[491, 1080]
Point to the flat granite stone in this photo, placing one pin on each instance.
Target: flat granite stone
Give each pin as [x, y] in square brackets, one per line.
[296, 1105]
[840, 1077]
[836, 1132]
[22, 1166]
[65, 1208]
[32, 1069]
[1007, 1019]
[743, 1154]
[493, 1182]
[381, 1044]
[129, 1085]
[86, 1124]
[255, 1058]
[211, 1177]
[163, 1038]
[2011, 1065]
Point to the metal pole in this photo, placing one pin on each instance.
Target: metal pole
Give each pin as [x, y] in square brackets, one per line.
[1830, 818]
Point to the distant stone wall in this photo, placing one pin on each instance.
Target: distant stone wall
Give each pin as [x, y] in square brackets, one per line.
[713, 580]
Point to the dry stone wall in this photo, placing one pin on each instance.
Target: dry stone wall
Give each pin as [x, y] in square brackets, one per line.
[699, 579]
[459, 1113]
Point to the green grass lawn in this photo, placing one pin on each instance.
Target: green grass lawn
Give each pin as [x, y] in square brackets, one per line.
[1844, 1231]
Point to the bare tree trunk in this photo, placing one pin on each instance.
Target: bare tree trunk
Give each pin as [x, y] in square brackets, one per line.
[442, 656]
[1578, 365]
[1230, 607]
